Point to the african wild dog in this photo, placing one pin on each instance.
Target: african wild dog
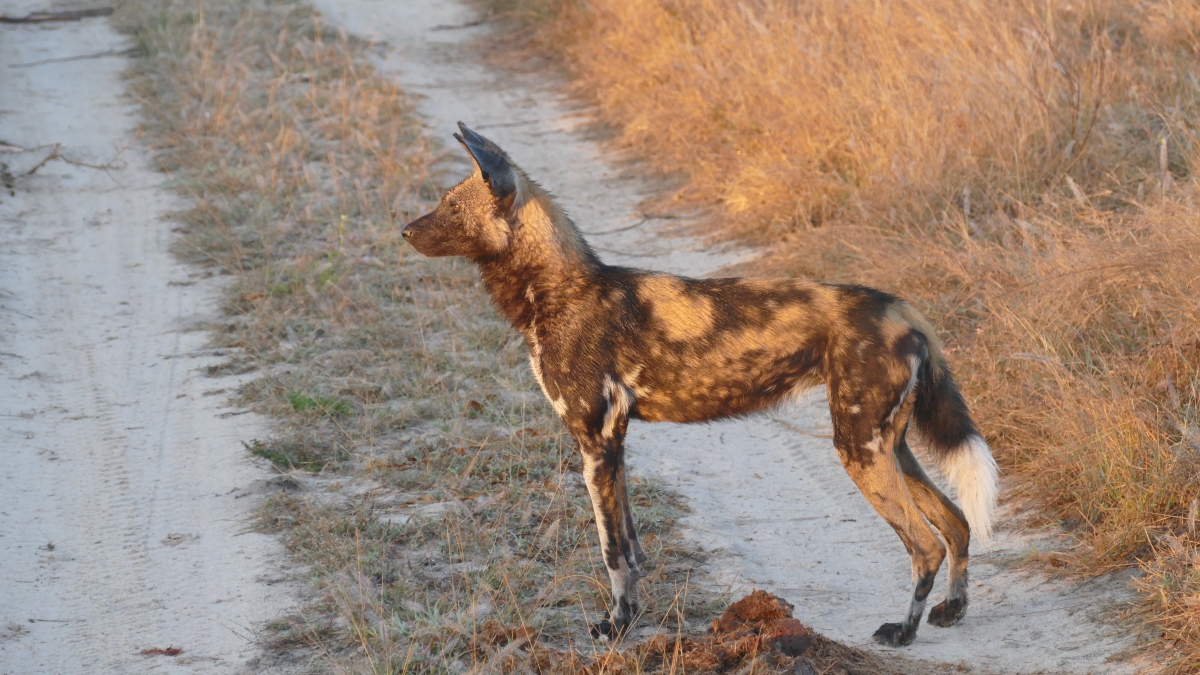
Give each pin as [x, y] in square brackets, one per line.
[609, 344]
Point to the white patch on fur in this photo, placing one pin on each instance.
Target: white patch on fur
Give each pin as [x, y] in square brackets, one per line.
[914, 365]
[560, 406]
[630, 380]
[624, 583]
[589, 479]
[972, 471]
[876, 443]
[619, 399]
[854, 409]
[535, 356]
[625, 576]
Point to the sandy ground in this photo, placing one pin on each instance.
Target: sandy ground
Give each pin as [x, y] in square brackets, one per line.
[122, 522]
[770, 497]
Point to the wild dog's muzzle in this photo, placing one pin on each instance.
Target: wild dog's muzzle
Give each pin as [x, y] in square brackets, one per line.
[411, 229]
[421, 233]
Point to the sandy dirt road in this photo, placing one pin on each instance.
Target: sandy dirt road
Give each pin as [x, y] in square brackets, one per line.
[770, 497]
[123, 525]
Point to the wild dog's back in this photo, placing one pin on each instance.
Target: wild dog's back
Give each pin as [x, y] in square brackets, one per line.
[703, 348]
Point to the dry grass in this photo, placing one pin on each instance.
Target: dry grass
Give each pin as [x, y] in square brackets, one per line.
[1025, 172]
[787, 115]
[427, 486]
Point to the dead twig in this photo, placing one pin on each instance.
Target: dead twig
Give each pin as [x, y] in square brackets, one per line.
[105, 167]
[159, 651]
[53, 155]
[81, 57]
[459, 26]
[43, 17]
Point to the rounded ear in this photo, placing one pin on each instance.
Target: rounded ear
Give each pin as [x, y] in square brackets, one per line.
[491, 160]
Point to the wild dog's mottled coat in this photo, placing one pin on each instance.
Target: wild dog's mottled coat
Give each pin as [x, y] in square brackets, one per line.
[609, 344]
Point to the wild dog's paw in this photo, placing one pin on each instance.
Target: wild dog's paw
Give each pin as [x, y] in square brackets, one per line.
[948, 612]
[615, 628]
[603, 630]
[894, 635]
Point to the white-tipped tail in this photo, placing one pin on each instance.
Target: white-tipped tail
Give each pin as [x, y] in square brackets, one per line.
[972, 471]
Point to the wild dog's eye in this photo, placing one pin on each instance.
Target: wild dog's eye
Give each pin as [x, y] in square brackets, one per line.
[453, 207]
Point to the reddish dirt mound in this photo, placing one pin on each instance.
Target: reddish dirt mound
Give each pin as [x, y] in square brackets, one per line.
[756, 634]
[758, 625]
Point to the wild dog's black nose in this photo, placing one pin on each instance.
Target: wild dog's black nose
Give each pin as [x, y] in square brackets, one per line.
[407, 233]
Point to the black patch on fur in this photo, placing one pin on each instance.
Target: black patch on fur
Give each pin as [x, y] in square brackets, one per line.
[493, 162]
[924, 586]
[940, 411]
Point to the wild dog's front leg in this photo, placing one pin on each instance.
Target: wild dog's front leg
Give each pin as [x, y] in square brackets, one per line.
[602, 471]
[639, 554]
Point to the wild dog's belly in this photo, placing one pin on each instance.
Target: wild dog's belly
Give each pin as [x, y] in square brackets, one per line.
[679, 392]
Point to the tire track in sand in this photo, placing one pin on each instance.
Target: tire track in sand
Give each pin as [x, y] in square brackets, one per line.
[120, 529]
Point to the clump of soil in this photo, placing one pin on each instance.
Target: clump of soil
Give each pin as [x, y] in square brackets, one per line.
[759, 623]
[756, 634]
[759, 626]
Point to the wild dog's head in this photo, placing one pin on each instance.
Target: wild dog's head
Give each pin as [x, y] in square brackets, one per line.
[472, 218]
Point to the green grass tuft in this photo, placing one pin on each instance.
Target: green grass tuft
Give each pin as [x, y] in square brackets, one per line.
[325, 405]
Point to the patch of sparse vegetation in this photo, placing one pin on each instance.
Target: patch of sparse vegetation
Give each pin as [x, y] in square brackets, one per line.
[323, 405]
[308, 454]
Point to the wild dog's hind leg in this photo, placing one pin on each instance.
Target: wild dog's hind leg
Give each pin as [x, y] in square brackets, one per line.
[951, 523]
[866, 443]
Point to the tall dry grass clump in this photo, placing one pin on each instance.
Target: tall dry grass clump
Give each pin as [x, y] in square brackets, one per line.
[1024, 171]
[788, 114]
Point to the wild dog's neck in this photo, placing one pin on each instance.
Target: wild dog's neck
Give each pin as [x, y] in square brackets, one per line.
[546, 266]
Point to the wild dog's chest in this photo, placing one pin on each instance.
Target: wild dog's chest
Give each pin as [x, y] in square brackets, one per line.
[566, 353]
[537, 355]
